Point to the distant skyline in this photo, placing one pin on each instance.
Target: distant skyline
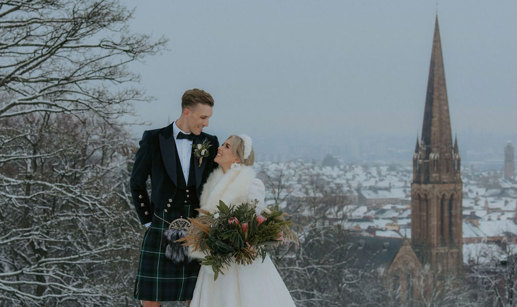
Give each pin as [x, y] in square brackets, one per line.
[347, 77]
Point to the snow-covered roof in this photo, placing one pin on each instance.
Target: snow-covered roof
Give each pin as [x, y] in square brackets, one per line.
[492, 192]
[486, 252]
[359, 212]
[471, 231]
[388, 234]
[496, 228]
[405, 214]
[394, 193]
[387, 213]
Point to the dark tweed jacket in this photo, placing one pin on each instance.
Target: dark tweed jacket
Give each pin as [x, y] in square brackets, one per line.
[157, 157]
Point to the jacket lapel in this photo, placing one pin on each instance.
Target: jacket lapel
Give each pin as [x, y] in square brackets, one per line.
[168, 151]
[198, 139]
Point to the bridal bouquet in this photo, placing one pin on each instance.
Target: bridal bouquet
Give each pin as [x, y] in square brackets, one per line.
[237, 233]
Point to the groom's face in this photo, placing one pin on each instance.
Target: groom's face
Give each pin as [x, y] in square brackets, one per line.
[197, 117]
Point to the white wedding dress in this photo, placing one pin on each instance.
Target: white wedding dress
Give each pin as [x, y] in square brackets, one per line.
[256, 285]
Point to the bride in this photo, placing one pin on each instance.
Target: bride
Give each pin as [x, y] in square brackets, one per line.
[259, 283]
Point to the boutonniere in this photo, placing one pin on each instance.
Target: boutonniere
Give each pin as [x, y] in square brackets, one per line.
[201, 150]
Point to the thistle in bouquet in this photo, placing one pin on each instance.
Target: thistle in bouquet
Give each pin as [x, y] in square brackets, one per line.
[237, 233]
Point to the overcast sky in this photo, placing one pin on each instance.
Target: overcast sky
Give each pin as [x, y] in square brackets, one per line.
[335, 69]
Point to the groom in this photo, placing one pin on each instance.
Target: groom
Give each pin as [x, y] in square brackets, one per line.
[177, 173]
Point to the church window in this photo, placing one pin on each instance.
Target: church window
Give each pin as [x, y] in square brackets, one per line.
[451, 215]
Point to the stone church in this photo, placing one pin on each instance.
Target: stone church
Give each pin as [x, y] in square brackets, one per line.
[436, 189]
[435, 248]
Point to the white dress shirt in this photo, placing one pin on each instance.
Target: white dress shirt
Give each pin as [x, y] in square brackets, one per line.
[184, 148]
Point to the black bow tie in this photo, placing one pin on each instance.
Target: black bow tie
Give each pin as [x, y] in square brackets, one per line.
[182, 135]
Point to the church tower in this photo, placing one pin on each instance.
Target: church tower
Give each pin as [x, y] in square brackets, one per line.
[436, 190]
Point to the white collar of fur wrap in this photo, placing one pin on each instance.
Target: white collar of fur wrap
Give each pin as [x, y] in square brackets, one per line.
[231, 187]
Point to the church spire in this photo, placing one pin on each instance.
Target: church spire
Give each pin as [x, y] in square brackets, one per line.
[436, 130]
[437, 189]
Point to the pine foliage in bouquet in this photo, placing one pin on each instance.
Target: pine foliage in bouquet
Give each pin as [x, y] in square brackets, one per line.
[237, 233]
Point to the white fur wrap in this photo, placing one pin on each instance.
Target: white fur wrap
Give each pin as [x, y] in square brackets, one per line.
[238, 185]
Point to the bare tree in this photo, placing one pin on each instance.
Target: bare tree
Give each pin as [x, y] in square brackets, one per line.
[320, 271]
[68, 232]
[436, 289]
[68, 221]
[64, 56]
[497, 277]
[278, 179]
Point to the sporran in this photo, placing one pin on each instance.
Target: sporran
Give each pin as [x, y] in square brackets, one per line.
[175, 251]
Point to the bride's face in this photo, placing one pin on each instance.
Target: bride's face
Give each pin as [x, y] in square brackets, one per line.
[225, 156]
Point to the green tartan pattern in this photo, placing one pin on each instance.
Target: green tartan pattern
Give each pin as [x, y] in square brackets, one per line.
[158, 278]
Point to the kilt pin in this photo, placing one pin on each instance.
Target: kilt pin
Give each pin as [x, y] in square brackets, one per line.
[158, 278]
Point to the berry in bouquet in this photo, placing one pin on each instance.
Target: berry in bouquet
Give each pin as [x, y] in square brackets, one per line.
[236, 233]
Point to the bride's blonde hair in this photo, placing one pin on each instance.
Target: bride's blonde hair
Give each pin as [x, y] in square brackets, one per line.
[238, 150]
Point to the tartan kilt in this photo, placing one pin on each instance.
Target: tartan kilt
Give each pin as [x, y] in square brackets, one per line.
[158, 278]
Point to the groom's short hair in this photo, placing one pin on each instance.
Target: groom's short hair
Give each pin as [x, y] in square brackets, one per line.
[195, 96]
